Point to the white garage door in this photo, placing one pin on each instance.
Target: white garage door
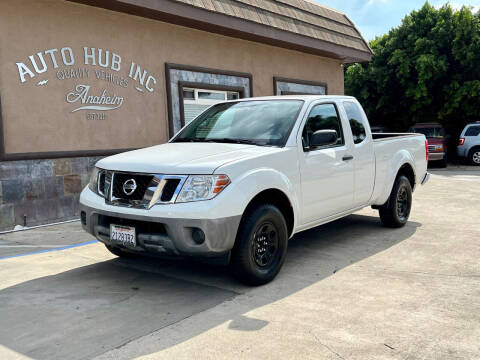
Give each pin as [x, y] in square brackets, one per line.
[195, 101]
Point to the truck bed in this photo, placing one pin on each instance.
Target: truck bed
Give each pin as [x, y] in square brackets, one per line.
[388, 148]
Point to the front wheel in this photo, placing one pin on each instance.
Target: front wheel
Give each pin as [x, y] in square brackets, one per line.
[396, 210]
[260, 246]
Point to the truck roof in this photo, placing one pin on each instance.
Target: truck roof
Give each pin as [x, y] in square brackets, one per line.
[300, 97]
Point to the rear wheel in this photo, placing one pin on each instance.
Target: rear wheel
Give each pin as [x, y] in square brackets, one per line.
[260, 246]
[396, 210]
[475, 156]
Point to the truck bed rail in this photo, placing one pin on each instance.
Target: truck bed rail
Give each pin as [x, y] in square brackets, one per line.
[386, 136]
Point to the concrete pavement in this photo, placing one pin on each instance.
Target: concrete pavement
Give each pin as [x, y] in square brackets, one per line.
[349, 290]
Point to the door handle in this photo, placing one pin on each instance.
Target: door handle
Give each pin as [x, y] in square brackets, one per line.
[347, 158]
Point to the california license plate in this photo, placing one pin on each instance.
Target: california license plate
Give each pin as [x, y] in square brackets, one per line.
[124, 235]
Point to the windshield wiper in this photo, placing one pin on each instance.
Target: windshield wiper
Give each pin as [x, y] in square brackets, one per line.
[233, 141]
[222, 140]
[190, 140]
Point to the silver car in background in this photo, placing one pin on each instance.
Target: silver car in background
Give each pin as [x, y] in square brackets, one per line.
[469, 143]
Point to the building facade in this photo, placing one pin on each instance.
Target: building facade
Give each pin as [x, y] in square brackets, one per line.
[80, 80]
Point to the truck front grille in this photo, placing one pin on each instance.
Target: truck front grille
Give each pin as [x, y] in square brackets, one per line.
[140, 191]
[169, 189]
[101, 182]
[141, 184]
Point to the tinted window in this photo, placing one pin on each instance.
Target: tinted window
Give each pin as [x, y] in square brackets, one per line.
[211, 95]
[429, 132]
[473, 131]
[258, 122]
[356, 124]
[188, 94]
[322, 117]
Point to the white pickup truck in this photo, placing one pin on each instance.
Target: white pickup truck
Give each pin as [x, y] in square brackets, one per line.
[246, 175]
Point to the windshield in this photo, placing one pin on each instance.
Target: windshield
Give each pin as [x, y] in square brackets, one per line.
[433, 132]
[266, 123]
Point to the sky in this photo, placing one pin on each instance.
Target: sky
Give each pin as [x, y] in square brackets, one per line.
[376, 17]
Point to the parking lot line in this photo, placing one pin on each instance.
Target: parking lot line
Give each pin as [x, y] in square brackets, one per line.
[50, 249]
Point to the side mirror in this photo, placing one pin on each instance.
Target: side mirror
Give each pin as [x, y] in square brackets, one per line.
[323, 138]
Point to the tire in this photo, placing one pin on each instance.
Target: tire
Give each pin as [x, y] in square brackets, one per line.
[395, 212]
[260, 246]
[120, 253]
[474, 156]
[443, 162]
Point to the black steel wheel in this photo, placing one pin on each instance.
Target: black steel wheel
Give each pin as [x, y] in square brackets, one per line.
[264, 244]
[260, 246]
[403, 205]
[396, 211]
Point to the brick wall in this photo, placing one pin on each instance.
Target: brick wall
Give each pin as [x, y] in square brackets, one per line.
[44, 191]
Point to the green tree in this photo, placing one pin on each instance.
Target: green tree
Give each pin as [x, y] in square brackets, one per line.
[425, 70]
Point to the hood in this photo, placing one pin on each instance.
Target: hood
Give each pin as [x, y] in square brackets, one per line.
[181, 158]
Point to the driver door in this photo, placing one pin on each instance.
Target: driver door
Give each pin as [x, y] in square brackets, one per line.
[327, 173]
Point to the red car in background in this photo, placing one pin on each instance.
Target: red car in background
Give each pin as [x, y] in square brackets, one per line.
[437, 142]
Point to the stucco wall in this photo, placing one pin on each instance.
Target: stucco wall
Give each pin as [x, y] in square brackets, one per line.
[36, 115]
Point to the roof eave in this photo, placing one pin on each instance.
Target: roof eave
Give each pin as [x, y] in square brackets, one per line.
[187, 15]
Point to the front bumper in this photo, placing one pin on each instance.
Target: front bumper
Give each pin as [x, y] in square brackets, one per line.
[157, 235]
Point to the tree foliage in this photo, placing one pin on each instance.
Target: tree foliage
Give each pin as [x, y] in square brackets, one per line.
[425, 70]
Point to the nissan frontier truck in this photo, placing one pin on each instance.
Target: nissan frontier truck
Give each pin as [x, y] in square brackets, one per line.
[246, 175]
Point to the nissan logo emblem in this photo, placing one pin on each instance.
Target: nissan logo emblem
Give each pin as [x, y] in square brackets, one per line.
[129, 186]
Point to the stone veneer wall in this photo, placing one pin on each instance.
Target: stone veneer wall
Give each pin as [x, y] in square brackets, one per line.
[44, 191]
[299, 88]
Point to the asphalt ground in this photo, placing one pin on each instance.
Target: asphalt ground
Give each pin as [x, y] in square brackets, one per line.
[351, 289]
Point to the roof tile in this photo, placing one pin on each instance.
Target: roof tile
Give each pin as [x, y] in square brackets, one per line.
[302, 17]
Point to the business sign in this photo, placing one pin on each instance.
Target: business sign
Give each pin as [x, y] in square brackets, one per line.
[83, 67]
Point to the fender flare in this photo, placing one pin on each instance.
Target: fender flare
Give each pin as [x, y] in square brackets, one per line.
[256, 181]
[400, 159]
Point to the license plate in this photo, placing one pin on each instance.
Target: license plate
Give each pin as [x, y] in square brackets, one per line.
[124, 235]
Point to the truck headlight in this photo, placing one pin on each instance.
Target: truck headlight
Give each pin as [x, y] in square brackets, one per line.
[202, 187]
[97, 181]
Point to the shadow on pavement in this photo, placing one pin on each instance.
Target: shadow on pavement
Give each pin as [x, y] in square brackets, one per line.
[92, 309]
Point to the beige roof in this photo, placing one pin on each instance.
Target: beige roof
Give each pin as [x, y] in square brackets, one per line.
[297, 16]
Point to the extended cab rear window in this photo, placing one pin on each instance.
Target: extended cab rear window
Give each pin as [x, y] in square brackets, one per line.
[354, 116]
